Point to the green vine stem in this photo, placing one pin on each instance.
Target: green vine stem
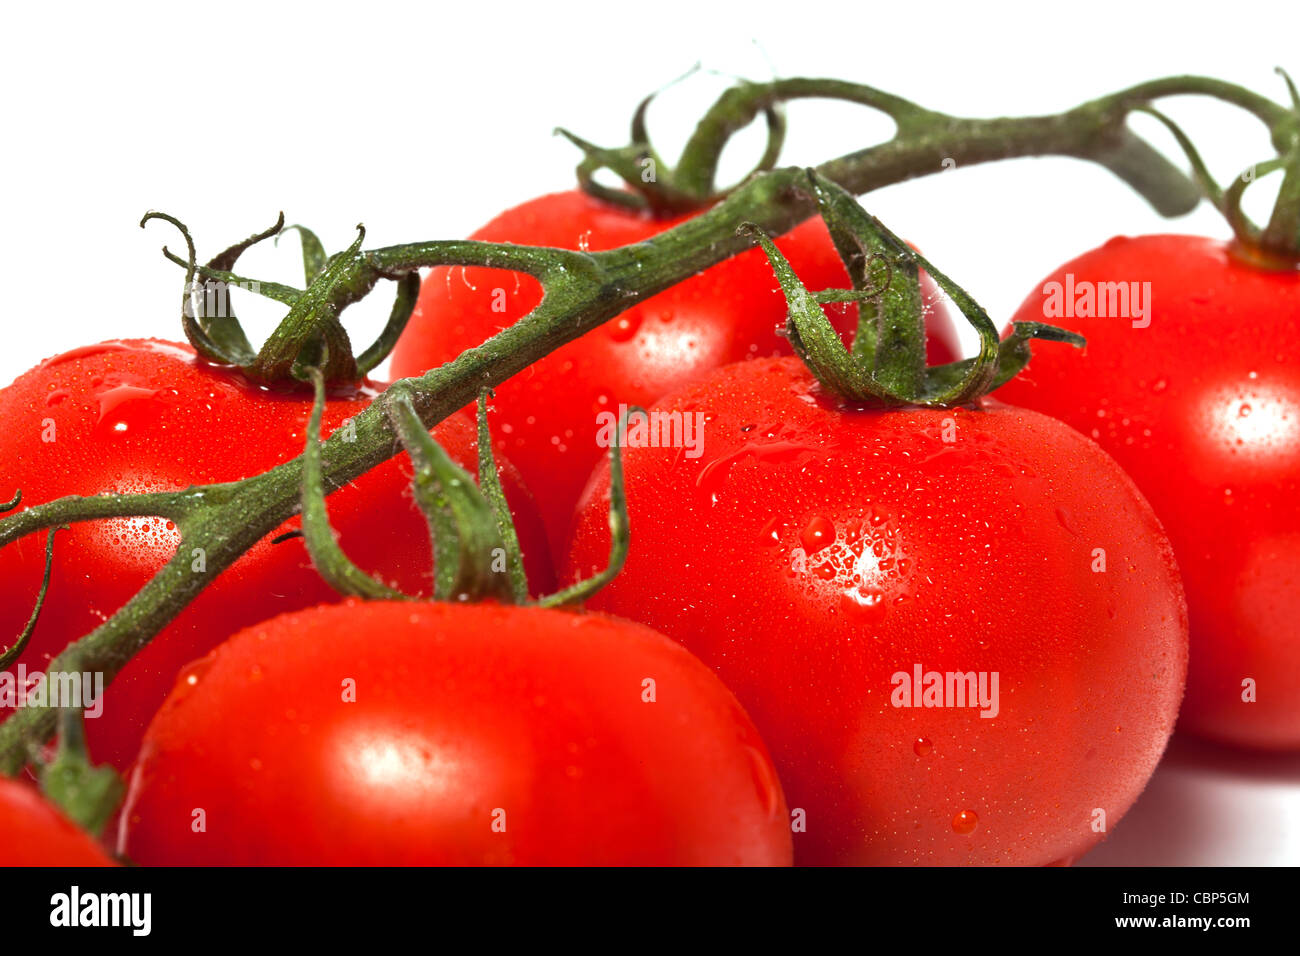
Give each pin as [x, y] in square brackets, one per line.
[581, 291]
[923, 140]
[318, 536]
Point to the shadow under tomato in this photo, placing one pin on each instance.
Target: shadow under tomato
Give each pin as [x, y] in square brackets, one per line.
[1209, 805]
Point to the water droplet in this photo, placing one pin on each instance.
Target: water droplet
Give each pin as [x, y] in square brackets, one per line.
[192, 673]
[625, 326]
[864, 603]
[119, 393]
[817, 534]
[922, 746]
[965, 822]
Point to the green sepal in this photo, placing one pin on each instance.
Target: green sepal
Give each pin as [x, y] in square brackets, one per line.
[408, 293]
[812, 336]
[87, 794]
[313, 316]
[1013, 355]
[489, 482]
[15, 650]
[891, 324]
[314, 258]
[619, 529]
[463, 525]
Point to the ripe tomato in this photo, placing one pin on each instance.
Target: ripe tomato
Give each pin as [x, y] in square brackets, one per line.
[1202, 408]
[393, 733]
[34, 833]
[136, 416]
[546, 416]
[816, 556]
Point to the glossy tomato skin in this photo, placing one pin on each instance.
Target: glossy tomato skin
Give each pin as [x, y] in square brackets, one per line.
[136, 416]
[1202, 408]
[546, 415]
[812, 553]
[478, 734]
[35, 833]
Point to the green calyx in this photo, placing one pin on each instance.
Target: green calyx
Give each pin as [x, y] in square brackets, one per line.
[654, 186]
[475, 546]
[886, 367]
[87, 794]
[310, 335]
[475, 549]
[1275, 246]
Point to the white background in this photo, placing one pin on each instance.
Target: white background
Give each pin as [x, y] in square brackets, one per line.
[423, 121]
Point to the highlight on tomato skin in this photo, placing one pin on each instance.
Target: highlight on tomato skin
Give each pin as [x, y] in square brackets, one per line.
[837, 567]
[543, 416]
[145, 415]
[396, 733]
[1191, 380]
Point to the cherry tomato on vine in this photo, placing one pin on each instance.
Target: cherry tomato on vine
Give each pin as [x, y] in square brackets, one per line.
[35, 833]
[546, 415]
[400, 733]
[828, 560]
[1191, 380]
[136, 416]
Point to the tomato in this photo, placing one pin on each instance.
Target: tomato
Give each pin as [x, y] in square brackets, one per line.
[1199, 400]
[439, 734]
[34, 833]
[546, 420]
[825, 559]
[134, 416]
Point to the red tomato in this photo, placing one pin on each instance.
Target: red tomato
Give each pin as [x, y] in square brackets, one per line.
[437, 734]
[1202, 408]
[34, 833]
[546, 415]
[816, 556]
[137, 416]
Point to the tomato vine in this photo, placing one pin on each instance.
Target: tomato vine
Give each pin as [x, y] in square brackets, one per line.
[218, 523]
